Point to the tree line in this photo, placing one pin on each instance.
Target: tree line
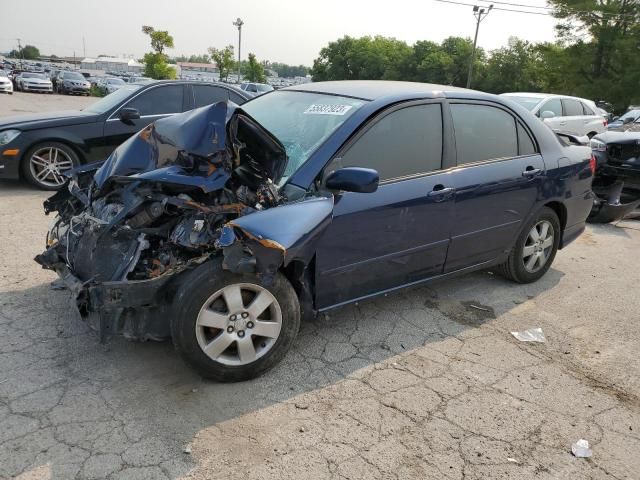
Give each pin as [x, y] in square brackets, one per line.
[596, 56]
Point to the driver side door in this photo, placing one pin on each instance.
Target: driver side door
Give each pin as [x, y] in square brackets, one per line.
[398, 234]
[153, 104]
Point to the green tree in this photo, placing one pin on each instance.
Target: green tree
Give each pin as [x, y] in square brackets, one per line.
[287, 71]
[365, 58]
[204, 58]
[28, 52]
[253, 70]
[223, 58]
[517, 67]
[156, 63]
[606, 33]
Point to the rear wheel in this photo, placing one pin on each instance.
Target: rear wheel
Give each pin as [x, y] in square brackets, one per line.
[45, 163]
[231, 328]
[535, 249]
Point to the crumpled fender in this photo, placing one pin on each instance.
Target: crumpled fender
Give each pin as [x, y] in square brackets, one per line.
[267, 240]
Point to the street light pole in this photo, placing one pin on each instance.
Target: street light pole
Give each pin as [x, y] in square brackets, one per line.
[480, 14]
[238, 23]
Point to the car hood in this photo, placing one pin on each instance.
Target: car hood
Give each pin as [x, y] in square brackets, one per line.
[48, 119]
[36, 80]
[200, 148]
[620, 137]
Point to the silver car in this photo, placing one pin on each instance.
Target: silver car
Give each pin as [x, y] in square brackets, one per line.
[563, 113]
[34, 82]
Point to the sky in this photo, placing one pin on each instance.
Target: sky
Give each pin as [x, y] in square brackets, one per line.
[289, 31]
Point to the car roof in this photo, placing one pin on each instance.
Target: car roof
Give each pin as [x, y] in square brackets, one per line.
[546, 95]
[377, 89]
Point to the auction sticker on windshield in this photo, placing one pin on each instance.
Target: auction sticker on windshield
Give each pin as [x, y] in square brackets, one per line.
[318, 109]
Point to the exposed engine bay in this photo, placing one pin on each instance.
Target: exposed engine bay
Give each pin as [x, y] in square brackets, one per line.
[164, 202]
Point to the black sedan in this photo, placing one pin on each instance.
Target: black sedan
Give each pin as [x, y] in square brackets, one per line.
[40, 147]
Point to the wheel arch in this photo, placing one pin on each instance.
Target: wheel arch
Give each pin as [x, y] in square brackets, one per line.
[561, 211]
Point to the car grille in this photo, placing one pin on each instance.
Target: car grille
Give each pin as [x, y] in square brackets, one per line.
[621, 153]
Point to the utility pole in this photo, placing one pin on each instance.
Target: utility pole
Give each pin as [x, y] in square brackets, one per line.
[480, 14]
[20, 51]
[84, 48]
[238, 23]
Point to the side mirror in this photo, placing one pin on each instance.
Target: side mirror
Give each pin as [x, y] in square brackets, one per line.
[353, 179]
[128, 114]
[615, 118]
[547, 114]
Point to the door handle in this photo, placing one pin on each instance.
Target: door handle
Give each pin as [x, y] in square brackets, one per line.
[562, 124]
[440, 190]
[531, 172]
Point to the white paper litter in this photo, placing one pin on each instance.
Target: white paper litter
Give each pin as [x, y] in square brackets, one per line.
[531, 335]
[581, 449]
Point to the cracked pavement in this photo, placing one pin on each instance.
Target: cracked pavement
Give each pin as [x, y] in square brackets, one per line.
[424, 383]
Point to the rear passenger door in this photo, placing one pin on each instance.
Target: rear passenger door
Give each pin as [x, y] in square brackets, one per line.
[400, 233]
[208, 94]
[497, 182]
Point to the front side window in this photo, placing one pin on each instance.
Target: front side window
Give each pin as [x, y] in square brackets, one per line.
[158, 101]
[403, 143]
[554, 105]
[573, 108]
[483, 133]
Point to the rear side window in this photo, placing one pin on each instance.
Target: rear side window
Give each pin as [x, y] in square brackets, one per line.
[586, 110]
[405, 142]
[208, 94]
[573, 108]
[525, 144]
[158, 100]
[554, 105]
[483, 133]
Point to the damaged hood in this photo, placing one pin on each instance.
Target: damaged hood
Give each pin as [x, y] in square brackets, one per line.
[199, 148]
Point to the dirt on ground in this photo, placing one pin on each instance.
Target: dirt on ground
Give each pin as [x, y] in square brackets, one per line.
[425, 383]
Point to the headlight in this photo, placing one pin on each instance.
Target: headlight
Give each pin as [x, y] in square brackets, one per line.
[598, 146]
[7, 136]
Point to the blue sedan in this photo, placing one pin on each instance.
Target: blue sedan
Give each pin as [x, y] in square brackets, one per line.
[224, 226]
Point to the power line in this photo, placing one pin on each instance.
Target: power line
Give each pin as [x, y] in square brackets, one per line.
[550, 13]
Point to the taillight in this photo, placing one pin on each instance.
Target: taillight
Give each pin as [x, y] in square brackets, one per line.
[605, 122]
[592, 164]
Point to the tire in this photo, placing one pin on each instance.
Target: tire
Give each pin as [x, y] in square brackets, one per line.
[516, 267]
[194, 297]
[65, 159]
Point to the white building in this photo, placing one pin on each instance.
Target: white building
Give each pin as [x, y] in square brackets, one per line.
[112, 64]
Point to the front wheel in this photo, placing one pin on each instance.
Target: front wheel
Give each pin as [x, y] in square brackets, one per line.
[535, 248]
[231, 328]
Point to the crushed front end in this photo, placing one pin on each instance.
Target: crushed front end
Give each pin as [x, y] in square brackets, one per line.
[128, 229]
[617, 180]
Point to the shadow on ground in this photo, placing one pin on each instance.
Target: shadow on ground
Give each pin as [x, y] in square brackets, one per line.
[73, 400]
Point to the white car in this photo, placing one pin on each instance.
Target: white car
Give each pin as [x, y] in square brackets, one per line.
[6, 86]
[562, 113]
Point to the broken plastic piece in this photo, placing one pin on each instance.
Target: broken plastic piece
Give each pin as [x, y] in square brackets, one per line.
[531, 335]
[581, 449]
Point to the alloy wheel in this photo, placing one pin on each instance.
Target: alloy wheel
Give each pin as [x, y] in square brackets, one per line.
[239, 324]
[538, 246]
[48, 164]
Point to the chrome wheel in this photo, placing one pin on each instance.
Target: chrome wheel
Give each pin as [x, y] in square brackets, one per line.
[239, 324]
[538, 246]
[48, 164]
